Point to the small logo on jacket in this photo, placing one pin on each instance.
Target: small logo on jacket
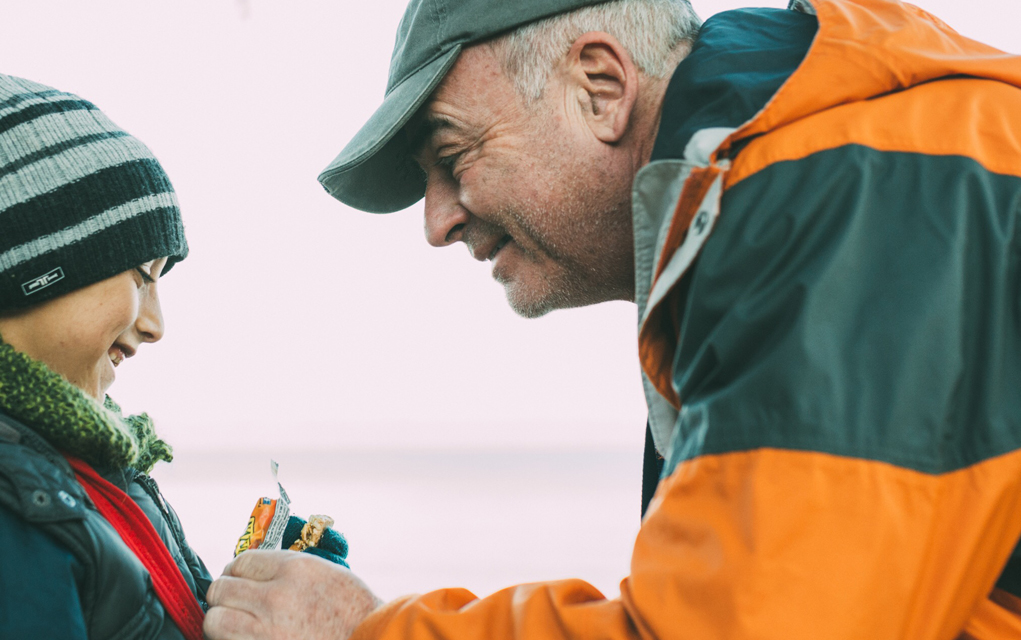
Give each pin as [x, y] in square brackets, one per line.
[701, 221]
[43, 281]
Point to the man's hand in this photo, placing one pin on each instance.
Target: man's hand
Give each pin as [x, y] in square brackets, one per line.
[283, 595]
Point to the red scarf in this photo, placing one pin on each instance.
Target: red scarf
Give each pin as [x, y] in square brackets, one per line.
[139, 535]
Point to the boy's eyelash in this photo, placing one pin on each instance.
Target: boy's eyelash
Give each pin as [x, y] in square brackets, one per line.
[145, 276]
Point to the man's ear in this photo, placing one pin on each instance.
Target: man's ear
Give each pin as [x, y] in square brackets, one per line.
[606, 82]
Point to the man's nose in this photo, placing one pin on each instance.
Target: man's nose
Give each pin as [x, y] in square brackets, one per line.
[150, 316]
[445, 218]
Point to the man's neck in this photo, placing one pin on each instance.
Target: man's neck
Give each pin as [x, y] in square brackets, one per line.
[652, 92]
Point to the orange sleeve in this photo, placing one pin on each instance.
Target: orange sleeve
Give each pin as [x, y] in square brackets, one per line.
[773, 544]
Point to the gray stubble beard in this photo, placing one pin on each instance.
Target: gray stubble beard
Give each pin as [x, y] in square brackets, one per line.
[605, 275]
[578, 284]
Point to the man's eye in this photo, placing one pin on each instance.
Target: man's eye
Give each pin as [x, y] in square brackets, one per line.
[448, 162]
[146, 278]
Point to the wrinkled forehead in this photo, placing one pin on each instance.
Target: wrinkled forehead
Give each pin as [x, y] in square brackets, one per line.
[469, 96]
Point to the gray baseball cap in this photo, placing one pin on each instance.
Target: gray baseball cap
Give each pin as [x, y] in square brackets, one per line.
[375, 172]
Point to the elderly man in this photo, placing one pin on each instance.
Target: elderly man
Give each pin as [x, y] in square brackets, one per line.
[818, 214]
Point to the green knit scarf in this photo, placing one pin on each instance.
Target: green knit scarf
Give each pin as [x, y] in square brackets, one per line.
[73, 422]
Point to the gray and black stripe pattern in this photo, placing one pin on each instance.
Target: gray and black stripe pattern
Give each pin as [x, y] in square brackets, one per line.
[81, 200]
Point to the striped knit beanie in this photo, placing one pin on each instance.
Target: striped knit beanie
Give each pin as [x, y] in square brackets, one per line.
[80, 199]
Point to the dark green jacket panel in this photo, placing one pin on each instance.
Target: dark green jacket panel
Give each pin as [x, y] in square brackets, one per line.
[859, 303]
[1010, 579]
[32, 607]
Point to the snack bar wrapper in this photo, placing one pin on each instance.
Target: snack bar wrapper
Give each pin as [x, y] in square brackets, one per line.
[268, 520]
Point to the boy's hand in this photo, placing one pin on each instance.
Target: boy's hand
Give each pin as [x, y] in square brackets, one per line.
[283, 595]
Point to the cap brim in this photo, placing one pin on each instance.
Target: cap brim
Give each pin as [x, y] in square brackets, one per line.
[375, 172]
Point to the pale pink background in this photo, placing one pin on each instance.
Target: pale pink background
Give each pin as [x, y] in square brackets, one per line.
[298, 324]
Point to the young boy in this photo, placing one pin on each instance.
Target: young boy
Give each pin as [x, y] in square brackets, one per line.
[88, 224]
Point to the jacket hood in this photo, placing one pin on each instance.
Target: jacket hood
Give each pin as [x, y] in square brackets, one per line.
[867, 48]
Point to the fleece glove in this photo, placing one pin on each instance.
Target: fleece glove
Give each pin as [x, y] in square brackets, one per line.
[332, 546]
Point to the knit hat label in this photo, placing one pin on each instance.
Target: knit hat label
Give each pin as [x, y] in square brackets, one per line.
[43, 281]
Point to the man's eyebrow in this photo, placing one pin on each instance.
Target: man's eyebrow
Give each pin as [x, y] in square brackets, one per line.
[425, 129]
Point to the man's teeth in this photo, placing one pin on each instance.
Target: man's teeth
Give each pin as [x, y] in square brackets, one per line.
[116, 357]
[499, 245]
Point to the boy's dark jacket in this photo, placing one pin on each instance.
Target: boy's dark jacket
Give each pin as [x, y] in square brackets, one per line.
[64, 571]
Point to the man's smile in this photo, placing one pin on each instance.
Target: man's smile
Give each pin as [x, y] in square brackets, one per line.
[499, 245]
[487, 248]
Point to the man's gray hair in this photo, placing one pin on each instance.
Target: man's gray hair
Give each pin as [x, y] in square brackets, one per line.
[650, 30]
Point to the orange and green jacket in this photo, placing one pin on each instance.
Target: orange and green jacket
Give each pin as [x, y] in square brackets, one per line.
[828, 273]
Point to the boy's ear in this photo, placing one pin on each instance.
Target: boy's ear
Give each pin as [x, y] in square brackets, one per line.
[606, 82]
